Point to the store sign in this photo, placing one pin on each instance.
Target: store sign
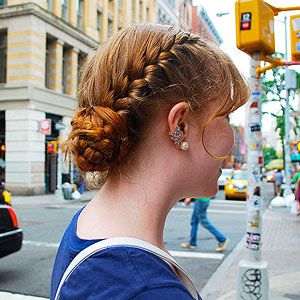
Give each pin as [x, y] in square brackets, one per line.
[45, 126]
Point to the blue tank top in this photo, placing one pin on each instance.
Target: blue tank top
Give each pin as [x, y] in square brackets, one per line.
[117, 273]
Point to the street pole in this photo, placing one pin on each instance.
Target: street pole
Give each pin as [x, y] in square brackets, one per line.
[287, 153]
[58, 192]
[253, 273]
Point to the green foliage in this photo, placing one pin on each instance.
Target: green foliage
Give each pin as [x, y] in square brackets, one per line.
[273, 83]
[269, 153]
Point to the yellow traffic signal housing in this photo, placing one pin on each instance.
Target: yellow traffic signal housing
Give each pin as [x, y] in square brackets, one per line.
[295, 36]
[254, 21]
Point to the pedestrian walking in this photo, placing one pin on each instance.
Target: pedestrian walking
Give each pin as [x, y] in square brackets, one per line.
[297, 196]
[152, 119]
[200, 216]
[278, 179]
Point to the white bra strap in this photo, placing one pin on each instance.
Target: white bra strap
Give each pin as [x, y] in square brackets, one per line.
[126, 242]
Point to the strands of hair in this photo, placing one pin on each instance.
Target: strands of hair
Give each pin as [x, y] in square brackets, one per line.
[146, 68]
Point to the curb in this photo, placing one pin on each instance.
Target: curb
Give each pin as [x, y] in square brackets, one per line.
[210, 287]
[11, 296]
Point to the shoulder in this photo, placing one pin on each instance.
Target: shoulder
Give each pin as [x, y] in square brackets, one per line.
[122, 273]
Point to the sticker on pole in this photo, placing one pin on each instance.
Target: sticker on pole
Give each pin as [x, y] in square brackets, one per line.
[45, 126]
[246, 21]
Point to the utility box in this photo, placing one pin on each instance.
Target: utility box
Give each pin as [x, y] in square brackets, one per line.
[254, 21]
[295, 36]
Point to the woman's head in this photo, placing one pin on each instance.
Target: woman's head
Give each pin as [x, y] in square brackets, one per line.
[144, 72]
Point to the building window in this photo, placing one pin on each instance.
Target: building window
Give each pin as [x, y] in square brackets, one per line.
[110, 28]
[64, 10]
[50, 5]
[64, 70]
[3, 56]
[171, 3]
[48, 62]
[140, 10]
[79, 13]
[99, 19]
[81, 61]
[3, 2]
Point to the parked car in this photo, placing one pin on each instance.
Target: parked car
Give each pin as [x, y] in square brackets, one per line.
[226, 173]
[236, 186]
[11, 236]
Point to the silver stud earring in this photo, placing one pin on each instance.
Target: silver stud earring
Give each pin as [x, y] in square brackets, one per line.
[176, 135]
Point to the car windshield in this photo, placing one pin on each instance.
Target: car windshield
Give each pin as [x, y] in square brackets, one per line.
[239, 175]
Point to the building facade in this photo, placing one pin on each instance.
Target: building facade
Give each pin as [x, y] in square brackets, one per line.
[43, 46]
[202, 25]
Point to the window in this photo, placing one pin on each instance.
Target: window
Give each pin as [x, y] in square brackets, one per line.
[140, 10]
[50, 5]
[64, 70]
[64, 10]
[99, 18]
[48, 61]
[3, 2]
[79, 13]
[81, 61]
[3, 56]
[110, 28]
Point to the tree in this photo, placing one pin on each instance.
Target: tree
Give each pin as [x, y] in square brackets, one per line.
[273, 83]
[269, 153]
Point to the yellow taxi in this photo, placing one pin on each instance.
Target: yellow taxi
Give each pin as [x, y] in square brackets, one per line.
[236, 186]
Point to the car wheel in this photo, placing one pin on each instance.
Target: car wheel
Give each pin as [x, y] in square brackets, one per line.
[227, 198]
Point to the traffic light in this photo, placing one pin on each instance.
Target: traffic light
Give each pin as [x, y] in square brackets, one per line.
[254, 21]
[295, 36]
[298, 146]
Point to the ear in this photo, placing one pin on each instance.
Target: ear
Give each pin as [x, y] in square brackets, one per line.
[179, 115]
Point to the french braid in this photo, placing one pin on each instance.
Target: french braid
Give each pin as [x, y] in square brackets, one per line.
[128, 80]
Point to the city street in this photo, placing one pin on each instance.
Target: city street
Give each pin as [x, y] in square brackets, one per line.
[28, 271]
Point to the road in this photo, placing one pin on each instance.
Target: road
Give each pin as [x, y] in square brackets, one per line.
[28, 271]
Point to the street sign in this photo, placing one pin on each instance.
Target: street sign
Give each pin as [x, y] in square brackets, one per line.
[45, 126]
[60, 126]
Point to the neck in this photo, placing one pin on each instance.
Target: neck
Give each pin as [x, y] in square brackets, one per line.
[133, 207]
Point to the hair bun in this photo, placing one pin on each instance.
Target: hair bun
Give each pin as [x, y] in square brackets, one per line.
[98, 139]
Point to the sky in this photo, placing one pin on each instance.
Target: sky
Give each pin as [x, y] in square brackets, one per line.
[225, 25]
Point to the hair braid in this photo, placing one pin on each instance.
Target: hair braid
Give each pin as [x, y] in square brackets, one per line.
[129, 79]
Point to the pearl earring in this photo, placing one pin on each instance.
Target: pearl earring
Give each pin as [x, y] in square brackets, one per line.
[184, 145]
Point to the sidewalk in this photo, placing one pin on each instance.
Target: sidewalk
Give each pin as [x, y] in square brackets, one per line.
[49, 199]
[280, 248]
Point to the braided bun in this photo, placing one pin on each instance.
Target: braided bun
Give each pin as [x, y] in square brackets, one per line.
[98, 138]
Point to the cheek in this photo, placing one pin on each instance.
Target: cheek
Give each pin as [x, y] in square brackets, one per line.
[218, 137]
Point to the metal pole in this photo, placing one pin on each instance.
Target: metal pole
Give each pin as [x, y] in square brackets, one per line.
[58, 192]
[253, 273]
[287, 153]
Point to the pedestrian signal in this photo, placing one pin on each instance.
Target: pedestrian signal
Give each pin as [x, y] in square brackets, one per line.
[254, 26]
[295, 36]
